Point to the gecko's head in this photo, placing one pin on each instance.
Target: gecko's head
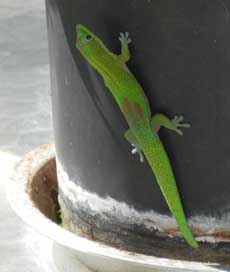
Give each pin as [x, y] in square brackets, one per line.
[87, 42]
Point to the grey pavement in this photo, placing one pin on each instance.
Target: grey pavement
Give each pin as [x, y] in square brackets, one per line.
[25, 122]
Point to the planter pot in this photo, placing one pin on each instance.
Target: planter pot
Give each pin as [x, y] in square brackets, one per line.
[180, 56]
[32, 192]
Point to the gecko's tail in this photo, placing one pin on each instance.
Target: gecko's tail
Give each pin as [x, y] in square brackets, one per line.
[159, 162]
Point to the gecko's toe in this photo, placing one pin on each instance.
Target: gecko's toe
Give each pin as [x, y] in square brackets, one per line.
[179, 131]
[178, 118]
[135, 150]
[185, 125]
[122, 35]
[177, 122]
[142, 159]
[124, 38]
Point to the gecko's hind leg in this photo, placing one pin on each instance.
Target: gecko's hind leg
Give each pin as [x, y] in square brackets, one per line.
[133, 141]
[160, 120]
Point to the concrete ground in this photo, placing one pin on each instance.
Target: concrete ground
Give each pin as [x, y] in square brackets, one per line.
[25, 122]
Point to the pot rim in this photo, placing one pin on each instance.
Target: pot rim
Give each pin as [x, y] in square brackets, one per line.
[24, 207]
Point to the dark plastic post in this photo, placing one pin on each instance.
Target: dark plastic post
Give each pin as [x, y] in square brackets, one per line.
[181, 57]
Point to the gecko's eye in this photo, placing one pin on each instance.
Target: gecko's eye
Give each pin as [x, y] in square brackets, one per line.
[88, 37]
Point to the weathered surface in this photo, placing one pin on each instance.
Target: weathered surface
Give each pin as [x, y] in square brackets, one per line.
[83, 222]
[139, 240]
[43, 190]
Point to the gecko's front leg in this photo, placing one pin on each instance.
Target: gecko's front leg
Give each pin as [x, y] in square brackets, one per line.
[125, 53]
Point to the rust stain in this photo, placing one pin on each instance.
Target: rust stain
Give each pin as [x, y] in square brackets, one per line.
[219, 234]
[91, 232]
[222, 234]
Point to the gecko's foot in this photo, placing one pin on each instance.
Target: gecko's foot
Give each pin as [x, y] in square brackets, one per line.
[136, 150]
[124, 38]
[177, 122]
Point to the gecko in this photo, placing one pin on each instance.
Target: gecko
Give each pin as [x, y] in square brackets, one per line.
[143, 128]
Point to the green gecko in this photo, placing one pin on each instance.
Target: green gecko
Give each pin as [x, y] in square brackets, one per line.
[143, 129]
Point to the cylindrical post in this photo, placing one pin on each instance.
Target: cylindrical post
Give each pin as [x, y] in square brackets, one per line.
[180, 54]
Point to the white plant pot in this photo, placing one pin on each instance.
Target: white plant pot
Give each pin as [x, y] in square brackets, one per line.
[73, 253]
